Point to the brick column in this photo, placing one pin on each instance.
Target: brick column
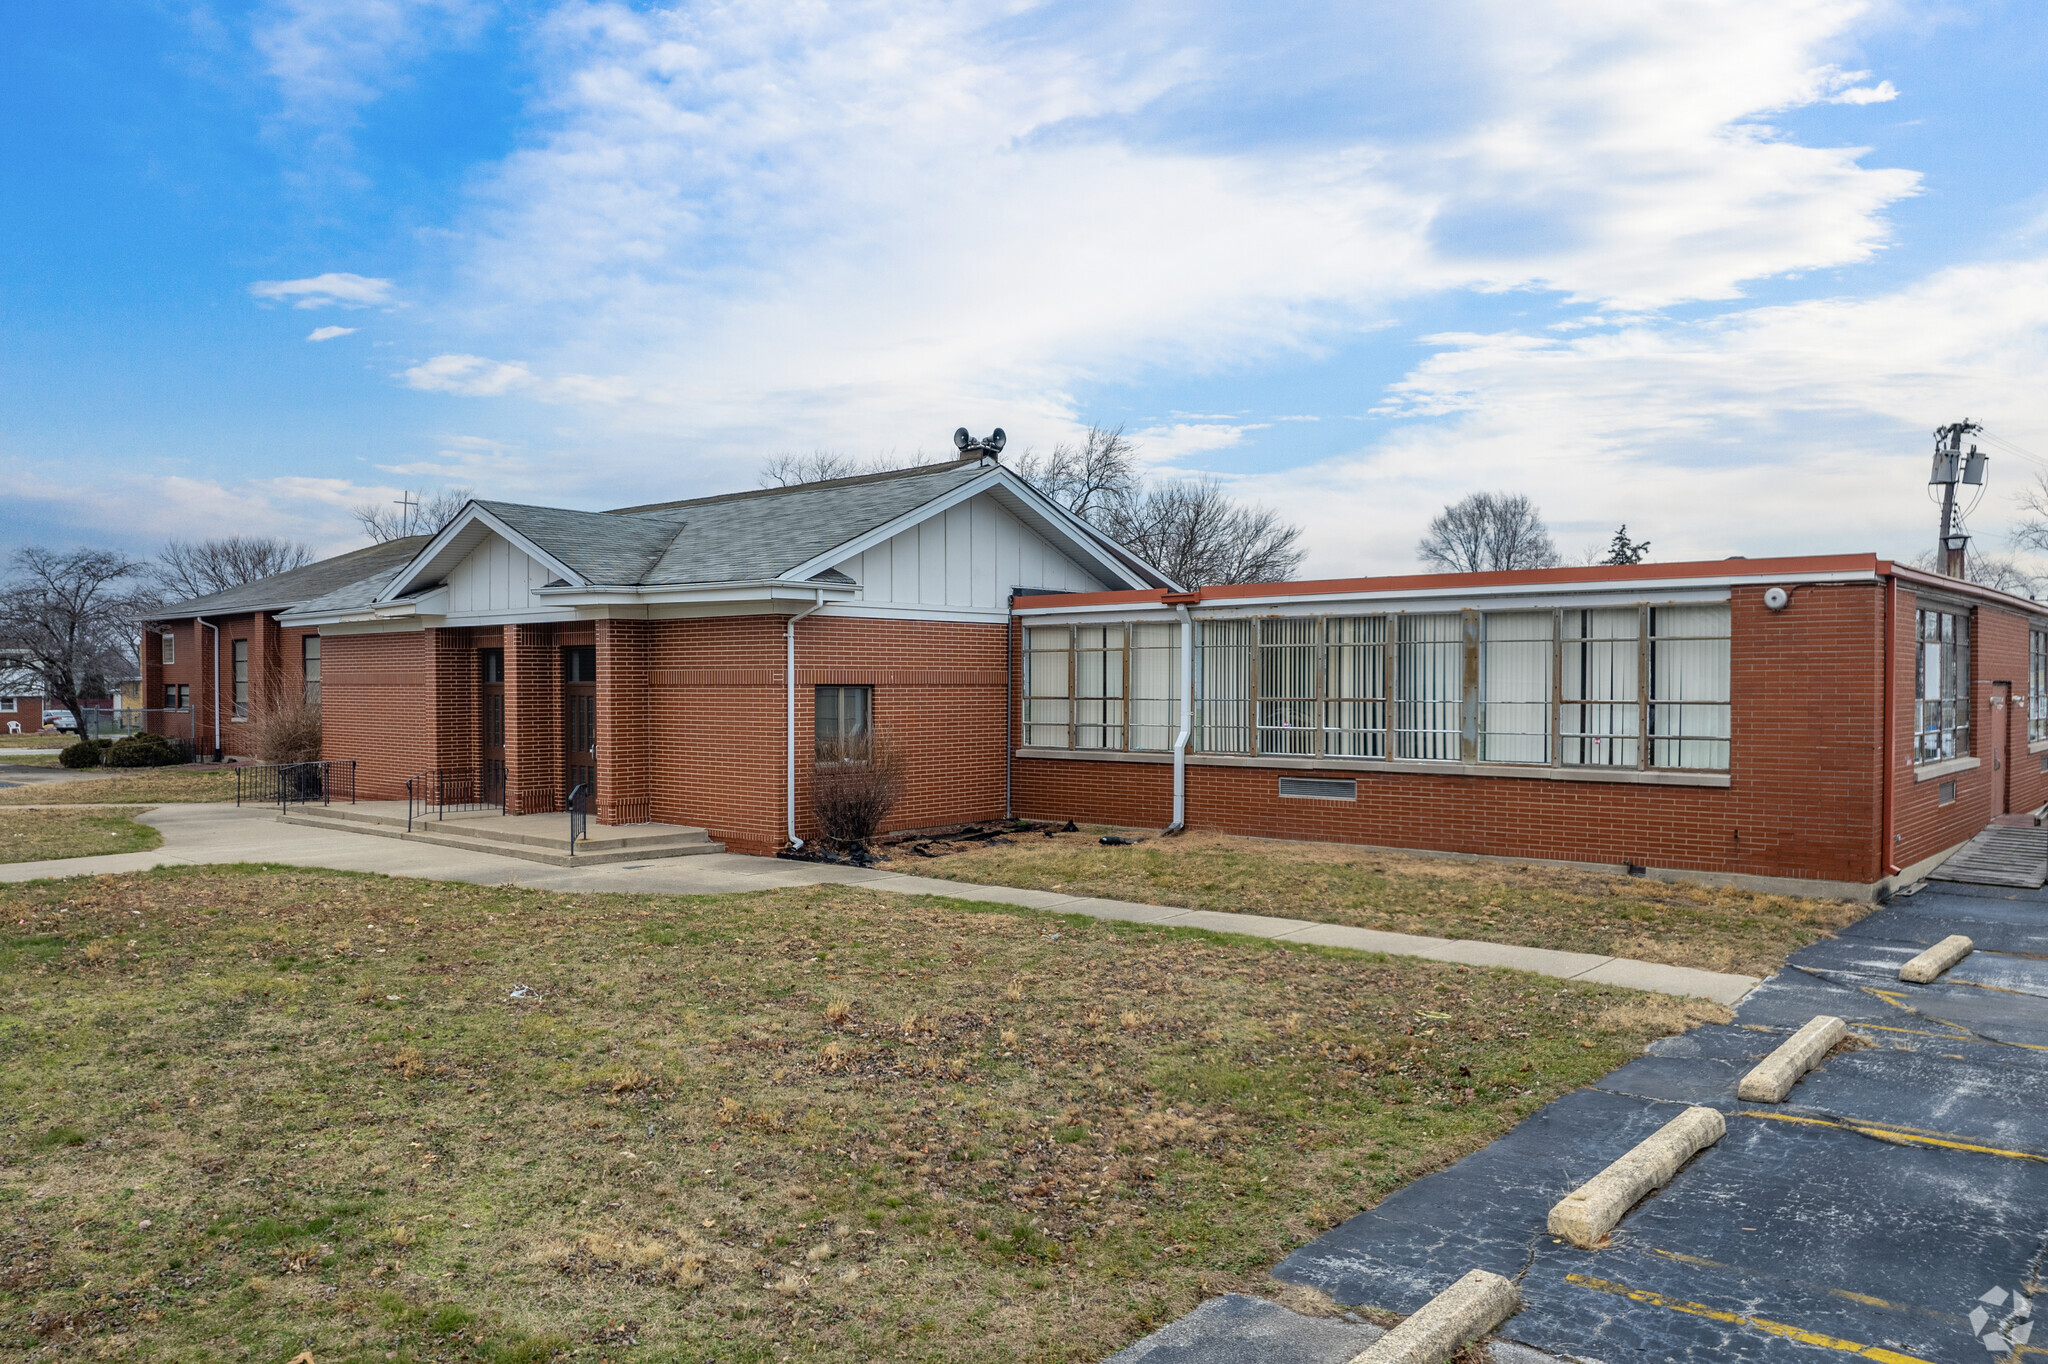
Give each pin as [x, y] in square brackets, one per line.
[452, 690]
[533, 720]
[622, 723]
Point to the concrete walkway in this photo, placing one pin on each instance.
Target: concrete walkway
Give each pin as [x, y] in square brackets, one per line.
[205, 834]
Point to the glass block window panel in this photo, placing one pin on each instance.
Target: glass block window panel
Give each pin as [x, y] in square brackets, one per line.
[1099, 686]
[1355, 686]
[1429, 686]
[1225, 662]
[1598, 719]
[1287, 685]
[1515, 658]
[1155, 686]
[1941, 706]
[1048, 686]
[1689, 687]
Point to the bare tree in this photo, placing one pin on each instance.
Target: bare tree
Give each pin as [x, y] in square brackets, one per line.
[787, 470]
[1488, 532]
[1198, 535]
[72, 619]
[412, 515]
[199, 568]
[1089, 479]
[1999, 572]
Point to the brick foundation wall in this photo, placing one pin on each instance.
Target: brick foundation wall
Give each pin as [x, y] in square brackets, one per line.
[1804, 798]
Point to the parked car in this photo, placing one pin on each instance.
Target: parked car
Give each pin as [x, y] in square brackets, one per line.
[63, 721]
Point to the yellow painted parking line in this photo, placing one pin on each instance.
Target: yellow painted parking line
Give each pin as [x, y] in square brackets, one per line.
[1863, 1298]
[1776, 1328]
[1901, 1136]
[1897, 1000]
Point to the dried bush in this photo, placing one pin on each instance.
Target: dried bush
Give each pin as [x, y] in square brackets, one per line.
[853, 787]
[288, 733]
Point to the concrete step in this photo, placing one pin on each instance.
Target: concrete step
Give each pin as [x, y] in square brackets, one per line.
[637, 843]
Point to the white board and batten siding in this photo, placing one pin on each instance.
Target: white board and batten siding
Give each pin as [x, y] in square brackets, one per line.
[968, 557]
[497, 577]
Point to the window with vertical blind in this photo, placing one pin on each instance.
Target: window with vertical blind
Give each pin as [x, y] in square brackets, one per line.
[1355, 686]
[1516, 660]
[1628, 687]
[1941, 708]
[241, 678]
[1429, 686]
[1689, 686]
[2037, 686]
[1599, 677]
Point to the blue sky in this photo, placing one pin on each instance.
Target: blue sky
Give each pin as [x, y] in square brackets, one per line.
[1712, 269]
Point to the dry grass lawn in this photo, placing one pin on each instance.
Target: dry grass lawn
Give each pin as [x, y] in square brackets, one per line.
[39, 835]
[133, 786]
[14, 757]
[1713, 928]
[245, 1113]
[34, 740]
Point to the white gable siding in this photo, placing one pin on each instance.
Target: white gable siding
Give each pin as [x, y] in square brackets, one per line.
[969, 557]
[496, 577]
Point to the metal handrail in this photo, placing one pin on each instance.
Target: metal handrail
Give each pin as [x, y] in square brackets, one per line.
[288, 784]
[441, 789]
[579, 818]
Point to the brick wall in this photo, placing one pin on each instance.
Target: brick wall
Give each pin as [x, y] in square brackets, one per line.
[277, 675]
[624, 734]
[378, 706]
[1804, 797]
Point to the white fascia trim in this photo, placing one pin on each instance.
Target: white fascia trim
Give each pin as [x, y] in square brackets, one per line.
[767, 590]
[405, 582]
[1076, 531]
[432, 603]
[889, 611]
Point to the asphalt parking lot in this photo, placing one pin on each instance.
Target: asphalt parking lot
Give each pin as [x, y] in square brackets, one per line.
[1895, 1207]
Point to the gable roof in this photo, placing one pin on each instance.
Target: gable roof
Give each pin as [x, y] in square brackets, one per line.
[786, 534]
[299, 585]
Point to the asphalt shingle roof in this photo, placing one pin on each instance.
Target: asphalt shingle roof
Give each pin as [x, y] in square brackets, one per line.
[300, 584]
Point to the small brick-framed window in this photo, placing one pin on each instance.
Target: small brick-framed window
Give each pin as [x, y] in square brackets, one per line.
[177, 696]
[8, 705]
[170, 647]
[2037, 686]
[241, 657]
[1941, 686]
[843, 720]
[309, 659]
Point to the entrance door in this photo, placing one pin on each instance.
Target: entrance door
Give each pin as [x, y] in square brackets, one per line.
[491, 725]
[579, 723]
[2001, 740]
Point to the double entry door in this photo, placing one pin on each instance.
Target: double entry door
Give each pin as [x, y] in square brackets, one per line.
[579, 725]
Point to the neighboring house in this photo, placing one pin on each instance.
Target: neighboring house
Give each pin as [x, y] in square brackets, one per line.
[1834, 720]
[21, 698]
[679, 661]
[212, 663]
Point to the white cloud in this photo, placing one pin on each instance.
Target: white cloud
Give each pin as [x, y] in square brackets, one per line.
[1880, 93]
[471, 376]
[476, 461]
[336, 288]
[329, 57]
[329, 333]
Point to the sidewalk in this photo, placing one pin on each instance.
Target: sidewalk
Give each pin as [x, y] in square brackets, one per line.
[196, 835]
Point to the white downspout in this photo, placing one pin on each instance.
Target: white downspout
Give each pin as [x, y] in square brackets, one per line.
[1187, 721]
[789, 674]
[218, 749]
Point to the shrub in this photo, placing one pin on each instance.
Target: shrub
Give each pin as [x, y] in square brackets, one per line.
[142, 750]
[853, 786]
[288, 733]
[85, 753]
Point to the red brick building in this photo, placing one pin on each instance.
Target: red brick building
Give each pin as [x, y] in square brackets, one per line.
[1837, 720]
[1828, 723]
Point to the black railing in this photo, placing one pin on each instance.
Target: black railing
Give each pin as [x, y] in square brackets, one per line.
[287, 784]
[579, 816]
[432, 794]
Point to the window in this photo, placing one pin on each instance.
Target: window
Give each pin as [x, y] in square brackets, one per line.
[170, 648]
[579, 663]
[1224, 667]
[1355, 686]
[1048, 686]
[1515, 659]
[1942, 686]
[241, 679]
[1689, 687]
[1099, 686]
[309, 660]
[1429, 686]
[177, 697]
[8, 705]
[1155, 686]
[1597, 715]
[1287, 685]
[2037, 687]
[842, 716]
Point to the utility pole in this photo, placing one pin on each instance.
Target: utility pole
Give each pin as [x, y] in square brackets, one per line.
[1952, 466]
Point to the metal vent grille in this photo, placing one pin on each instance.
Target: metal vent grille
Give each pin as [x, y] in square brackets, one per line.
[1318, 788]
